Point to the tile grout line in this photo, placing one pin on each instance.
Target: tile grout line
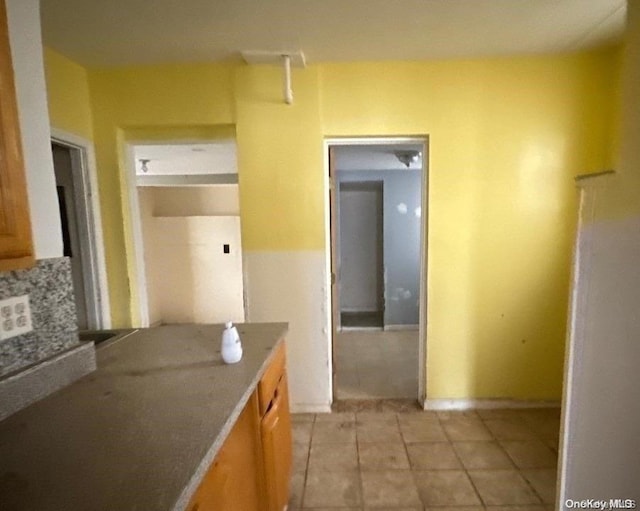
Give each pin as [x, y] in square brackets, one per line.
[306, 468]
[466, 472]
[518, 470]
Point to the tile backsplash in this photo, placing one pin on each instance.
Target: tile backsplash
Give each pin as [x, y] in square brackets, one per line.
[53, 313]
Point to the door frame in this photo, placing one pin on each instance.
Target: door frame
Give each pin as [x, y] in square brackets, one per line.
[134, 240]
[331, 256]
[87, 199]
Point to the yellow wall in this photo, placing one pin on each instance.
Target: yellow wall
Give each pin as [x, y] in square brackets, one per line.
[68, 95]
[506, 138]
[156, 102]
[280, 160]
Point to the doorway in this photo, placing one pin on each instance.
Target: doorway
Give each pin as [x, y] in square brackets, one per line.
[184, 199]
[76, 185]
[378, 266]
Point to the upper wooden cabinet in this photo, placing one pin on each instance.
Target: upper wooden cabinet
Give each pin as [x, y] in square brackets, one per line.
[16, 248]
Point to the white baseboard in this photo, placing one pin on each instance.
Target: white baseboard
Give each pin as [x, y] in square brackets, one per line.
[471, 404]
[360, 329]
[401, 327]
[310, 408]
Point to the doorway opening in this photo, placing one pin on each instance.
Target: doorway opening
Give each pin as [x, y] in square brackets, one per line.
[378, 206]
[184, 202]
[76, 185]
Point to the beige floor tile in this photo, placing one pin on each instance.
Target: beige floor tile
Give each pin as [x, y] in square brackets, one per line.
[433, 456]
[457, 414]
[302, 417]
[378, 431]
[296, 488]
[300, 457]
[336, 417]
[419, 508]
[482, 455]
[301, 432]
[502, 487]
[446, 488]
[516, 508]
[509, 414]
[334, 432]
[543, 482]
[422, 431]
[382, 456]
[341, 457]
[552, 443]
[331, 509]
[456, 508]
[509, 429]
[389, 488]
[542, 423]
[530, 454]
[332, 489]
[463, 429]
[387, 417]
[420, 415]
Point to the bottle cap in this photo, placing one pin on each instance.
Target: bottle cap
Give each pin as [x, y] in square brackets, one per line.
[228, 324]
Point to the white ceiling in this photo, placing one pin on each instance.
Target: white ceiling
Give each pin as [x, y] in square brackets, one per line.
[119, 32]
[374, 157]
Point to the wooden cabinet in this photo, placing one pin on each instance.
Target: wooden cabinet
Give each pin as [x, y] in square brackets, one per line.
[16, 250]
[276, 448]
[253, 467]
[233, 483]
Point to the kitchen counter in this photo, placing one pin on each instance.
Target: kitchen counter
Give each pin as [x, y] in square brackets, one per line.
[138, 433]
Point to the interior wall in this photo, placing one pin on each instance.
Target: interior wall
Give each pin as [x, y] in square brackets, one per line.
[401, 241]
[360, 247]
[175, 102]
[507, 136]
[195, 200]
[68, 95]
[601, 445]
[191, 201]
[195, 279]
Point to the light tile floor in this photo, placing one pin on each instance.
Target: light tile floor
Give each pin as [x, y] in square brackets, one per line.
[377, 364]
[493, 460]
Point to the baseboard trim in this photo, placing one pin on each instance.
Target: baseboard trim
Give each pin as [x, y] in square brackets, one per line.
[360, 329]
[310, 408]
[401, 327]
[470, 404]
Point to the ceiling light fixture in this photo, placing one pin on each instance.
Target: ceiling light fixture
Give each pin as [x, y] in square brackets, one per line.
[143, 164]
[408, 157]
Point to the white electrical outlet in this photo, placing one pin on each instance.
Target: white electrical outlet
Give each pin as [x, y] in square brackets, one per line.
[15, 316]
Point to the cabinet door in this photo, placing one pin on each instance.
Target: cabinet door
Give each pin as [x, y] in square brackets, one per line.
[277, 447]
[234, 483]
[15, 229]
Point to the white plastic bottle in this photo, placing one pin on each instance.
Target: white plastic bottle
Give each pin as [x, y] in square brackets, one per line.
[231, 348]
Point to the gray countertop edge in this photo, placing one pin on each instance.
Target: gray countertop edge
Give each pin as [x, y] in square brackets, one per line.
[188, 492]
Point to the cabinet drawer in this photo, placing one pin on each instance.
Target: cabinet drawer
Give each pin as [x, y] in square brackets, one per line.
[271, 378]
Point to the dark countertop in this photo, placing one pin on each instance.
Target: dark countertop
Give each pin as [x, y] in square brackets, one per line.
[138, 433]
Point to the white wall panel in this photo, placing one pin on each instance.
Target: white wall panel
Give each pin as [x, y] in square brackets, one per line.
[193, 277]
[291, 287]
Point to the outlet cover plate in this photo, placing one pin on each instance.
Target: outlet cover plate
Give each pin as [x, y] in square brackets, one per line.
[15, 317]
